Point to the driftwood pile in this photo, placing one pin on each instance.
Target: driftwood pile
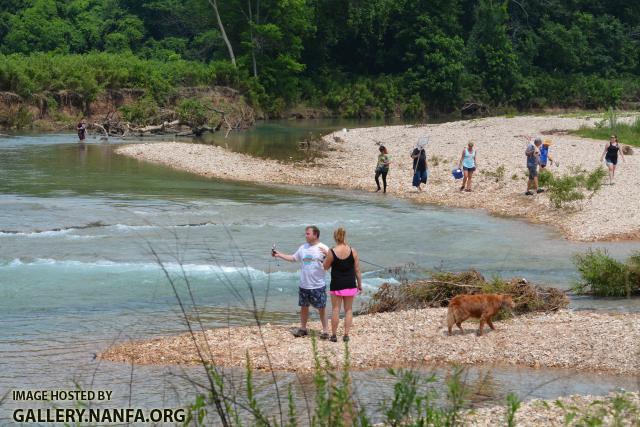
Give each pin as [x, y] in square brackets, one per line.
[441, 287]
[113, 125]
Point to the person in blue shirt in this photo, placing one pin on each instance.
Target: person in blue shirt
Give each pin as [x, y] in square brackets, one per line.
[533, 160]
[545, 156]
[420, 166]
[468, 163]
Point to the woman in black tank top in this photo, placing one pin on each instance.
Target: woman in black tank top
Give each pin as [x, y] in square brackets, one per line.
[346, 282]
[610, 155]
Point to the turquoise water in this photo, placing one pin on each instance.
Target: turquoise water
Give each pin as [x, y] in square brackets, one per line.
[82, 231]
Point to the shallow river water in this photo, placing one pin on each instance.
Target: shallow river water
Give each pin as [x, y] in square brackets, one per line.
[79, 227]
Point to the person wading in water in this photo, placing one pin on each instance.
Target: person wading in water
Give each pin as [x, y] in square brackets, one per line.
[82, 130]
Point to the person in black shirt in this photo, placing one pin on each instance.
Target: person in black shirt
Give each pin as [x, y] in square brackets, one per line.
[82, 130]
[610, 155]
[420, 166]
[346, 281]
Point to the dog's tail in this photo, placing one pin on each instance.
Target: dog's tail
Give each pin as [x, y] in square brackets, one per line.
[451, 316]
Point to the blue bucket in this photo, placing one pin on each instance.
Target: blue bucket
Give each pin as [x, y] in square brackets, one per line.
[457, 173]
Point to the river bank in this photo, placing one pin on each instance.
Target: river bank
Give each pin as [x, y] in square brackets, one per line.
[566, 339]
[499, 184]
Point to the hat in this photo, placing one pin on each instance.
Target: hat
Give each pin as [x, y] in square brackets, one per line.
[547, 142]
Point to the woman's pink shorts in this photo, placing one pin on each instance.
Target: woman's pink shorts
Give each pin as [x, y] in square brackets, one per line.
[351, 292]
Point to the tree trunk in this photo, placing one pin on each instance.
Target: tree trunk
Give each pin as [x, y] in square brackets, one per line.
[253, 42]
[214, 4]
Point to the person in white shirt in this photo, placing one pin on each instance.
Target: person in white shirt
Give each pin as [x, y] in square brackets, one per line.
[312, 290]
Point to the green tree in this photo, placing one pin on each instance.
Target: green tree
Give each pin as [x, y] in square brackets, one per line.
[436, 68]
[490, 52]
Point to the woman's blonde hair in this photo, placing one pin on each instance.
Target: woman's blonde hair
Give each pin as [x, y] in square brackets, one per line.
[339, 235]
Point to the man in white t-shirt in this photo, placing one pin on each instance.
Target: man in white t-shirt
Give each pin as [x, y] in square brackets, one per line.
[312, 284]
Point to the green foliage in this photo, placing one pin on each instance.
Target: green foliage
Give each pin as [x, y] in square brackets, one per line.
[415, 400]
[594, 179]
[141, 112]
[360, 59]
[497, 175]
[570, 187]
[563, 190]
[193, 112]
[616, 410]
[333, 404]
[491, 55]
[436, 67]
[19, 118]
[601, 275]
[545, 178]
[414, 108]
[92, 73]
[513, 404]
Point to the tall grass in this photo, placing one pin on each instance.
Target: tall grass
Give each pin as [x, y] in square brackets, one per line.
[628, 133]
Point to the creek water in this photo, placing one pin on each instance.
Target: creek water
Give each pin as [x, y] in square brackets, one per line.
[82, 230]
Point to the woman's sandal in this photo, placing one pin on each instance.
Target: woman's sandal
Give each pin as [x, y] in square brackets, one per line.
[333, 338]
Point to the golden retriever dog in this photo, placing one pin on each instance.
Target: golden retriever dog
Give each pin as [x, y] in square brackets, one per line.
[482, 306]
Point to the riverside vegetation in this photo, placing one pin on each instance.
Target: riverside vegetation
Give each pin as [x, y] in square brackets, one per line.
[603, 276]
[415, 402]
[352, 59]
[628, 132]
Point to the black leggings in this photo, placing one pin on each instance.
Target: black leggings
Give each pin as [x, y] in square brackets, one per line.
[384, 179]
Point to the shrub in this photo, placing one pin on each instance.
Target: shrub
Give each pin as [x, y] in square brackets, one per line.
[497, 175]
[193, 112]
[564, 190]
[18, 118]
[569, 188]
[143, 111]
[545, 177]
[601, 275]
[593, 181]
[414, 108]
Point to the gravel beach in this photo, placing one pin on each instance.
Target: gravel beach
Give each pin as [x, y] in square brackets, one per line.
[579, 340]
[552, 413]
[613, 213]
